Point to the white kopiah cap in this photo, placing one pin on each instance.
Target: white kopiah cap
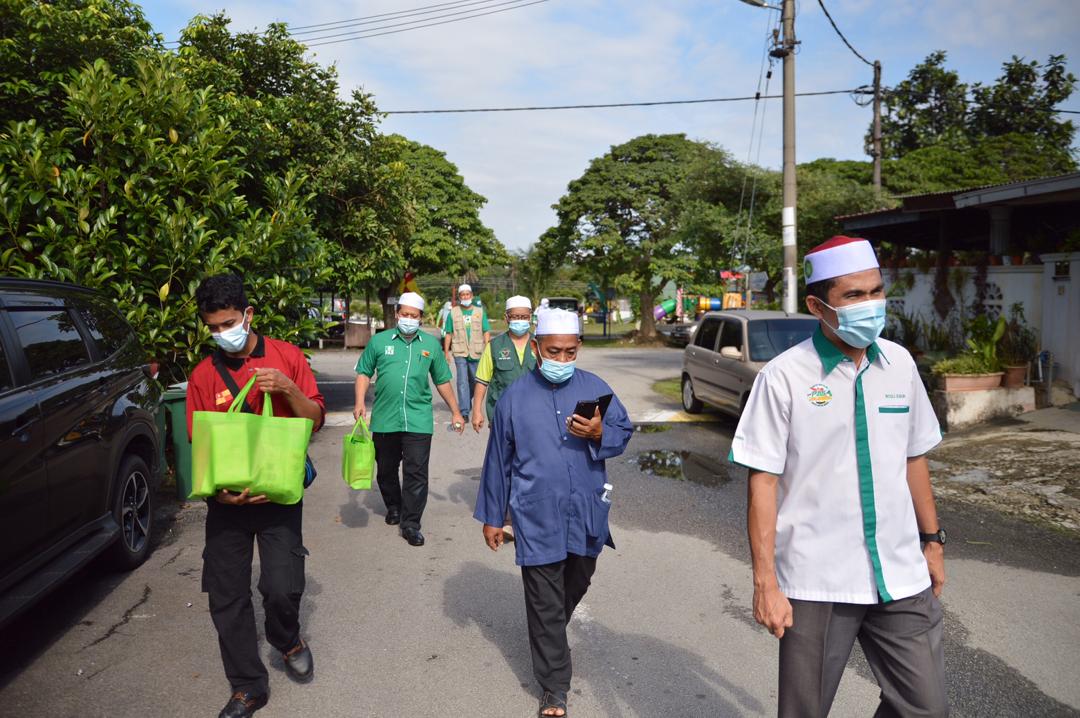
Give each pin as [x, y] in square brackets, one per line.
[837, 257]
[557, 321]
[411, 299]
[518, 302]
[464, 288]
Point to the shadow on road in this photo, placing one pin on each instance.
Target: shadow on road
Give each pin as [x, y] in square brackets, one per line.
[655, 677]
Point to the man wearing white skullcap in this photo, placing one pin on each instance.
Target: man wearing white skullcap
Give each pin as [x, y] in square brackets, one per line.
[844, 535]
[505, 358]
[401, 421]
[545, 463]
[465, 334]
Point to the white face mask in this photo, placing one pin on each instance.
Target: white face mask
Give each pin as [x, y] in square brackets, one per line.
[234, 339]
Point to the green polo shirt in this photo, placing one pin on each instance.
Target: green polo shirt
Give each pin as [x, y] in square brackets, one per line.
[402, 390]
[466, 312]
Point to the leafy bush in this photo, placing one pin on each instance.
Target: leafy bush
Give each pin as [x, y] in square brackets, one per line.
[964, 364]
[1019, 345]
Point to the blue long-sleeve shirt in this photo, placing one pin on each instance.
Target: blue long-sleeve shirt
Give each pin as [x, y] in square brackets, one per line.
[550, 479]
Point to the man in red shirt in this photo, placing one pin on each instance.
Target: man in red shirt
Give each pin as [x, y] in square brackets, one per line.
[234, 521]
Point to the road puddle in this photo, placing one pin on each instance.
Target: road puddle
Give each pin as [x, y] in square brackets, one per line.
[683, 466]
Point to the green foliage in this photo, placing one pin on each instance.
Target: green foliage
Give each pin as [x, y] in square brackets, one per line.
[43, 43]
[964, 364]
[1019, 345]
[137, 195]
[984, 335]
[619, 219]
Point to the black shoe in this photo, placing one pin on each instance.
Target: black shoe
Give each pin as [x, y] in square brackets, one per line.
[299, 663]
[243, 705]
[393, 517]
[413, 536]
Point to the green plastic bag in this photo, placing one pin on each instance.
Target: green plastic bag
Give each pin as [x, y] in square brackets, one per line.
[260, 452]
[358, 457]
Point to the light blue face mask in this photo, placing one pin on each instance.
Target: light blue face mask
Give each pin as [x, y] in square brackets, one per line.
[519, 327]
[408, 326]
[859, 325]
[466, 302]
[233, 340]
[557, 372]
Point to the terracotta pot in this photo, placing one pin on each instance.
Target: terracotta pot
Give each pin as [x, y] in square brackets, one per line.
[1014, 376]
[995, 260]
[1017, 259]
[971, 382]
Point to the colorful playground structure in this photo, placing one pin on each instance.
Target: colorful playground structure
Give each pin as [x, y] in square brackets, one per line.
[693, 304]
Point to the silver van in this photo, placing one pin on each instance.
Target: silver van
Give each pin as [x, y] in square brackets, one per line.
[728, 350]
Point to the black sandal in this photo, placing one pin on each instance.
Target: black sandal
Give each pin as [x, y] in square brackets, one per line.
[551, 701]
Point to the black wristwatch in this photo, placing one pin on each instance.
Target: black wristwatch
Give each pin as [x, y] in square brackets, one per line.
[937, 537]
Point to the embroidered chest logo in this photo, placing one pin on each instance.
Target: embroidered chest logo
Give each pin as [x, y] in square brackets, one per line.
[389, 351]
[223, 397]
[820, 395]
[504, 354]
[425, 353]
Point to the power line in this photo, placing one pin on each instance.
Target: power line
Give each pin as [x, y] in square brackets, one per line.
[412, 11]
[614, 104]
[433, 24]
[382, 26]
[834, 27]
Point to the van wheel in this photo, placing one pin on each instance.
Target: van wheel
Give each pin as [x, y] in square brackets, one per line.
[690, 403]
[133, 510]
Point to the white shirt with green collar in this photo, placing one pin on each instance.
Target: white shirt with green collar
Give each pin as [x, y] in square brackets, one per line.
[839, 437]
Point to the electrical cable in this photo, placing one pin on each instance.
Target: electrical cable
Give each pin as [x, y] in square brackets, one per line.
[611, 104]
[418, 27]
[406, 13]
[834, 27]
[350, 33]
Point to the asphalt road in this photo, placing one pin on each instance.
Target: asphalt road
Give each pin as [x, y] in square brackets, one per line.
[666, 629]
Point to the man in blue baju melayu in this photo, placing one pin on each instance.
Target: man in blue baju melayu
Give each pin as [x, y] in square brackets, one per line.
[546, 464]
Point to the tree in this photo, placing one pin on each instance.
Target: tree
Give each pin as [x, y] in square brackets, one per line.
[42, 44]
[137, 194]
[620, 218]
[927, 108]
[1023, 101]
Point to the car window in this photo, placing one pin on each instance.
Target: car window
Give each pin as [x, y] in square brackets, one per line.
[50, 341]
[770, 337]
[705, 337]
[106, 326]
[731, 334]
[6, 381]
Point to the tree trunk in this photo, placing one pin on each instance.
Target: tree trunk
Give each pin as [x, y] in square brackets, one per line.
[389, 313]
[647, 332]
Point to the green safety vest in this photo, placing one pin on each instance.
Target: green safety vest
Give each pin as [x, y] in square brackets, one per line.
[507, 368]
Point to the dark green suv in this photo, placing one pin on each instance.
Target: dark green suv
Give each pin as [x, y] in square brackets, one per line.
[79, 442]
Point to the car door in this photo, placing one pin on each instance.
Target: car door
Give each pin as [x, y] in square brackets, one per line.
[701, 359]
[68, 386]
[24, 491]
[729, 382]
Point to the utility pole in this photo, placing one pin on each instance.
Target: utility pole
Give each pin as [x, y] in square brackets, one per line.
[877, 128]
[787, 216]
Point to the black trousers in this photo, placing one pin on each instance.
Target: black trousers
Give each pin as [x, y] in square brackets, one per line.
[231, 532]
[552, 592]
[411, 451]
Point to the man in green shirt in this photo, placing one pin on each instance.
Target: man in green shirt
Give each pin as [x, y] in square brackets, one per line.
[401, 421]
[465, 334]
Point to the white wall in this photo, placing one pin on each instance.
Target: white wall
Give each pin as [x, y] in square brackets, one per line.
[1061, 332]
[1005, 286]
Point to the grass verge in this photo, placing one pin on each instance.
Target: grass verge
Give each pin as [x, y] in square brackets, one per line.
[670, 388]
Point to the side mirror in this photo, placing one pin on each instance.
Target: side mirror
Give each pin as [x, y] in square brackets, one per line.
[731, 353]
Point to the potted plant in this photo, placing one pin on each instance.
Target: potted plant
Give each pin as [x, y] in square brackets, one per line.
[979, 367]
[1018, 347]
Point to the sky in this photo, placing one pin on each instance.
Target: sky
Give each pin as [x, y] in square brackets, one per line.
[560, 52]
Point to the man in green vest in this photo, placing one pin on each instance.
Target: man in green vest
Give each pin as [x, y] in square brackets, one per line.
[466, 333]
[505, 358]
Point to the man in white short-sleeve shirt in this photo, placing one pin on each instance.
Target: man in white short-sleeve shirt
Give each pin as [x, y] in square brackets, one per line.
[834, 435]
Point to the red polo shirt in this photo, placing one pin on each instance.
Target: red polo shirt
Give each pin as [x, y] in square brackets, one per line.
[207, 390]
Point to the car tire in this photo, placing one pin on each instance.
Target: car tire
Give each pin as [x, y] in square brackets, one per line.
[690, 403]
[133, 509]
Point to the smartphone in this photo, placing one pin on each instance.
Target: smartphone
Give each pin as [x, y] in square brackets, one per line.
[587, 409]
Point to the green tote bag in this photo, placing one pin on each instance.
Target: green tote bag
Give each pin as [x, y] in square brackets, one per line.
[261, 452]
[358, 457]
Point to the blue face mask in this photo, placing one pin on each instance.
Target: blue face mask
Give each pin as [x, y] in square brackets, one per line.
[233, 340]
[466, 302]
[859, 325]
[557, 372]
[408, 326]
[519, 327]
